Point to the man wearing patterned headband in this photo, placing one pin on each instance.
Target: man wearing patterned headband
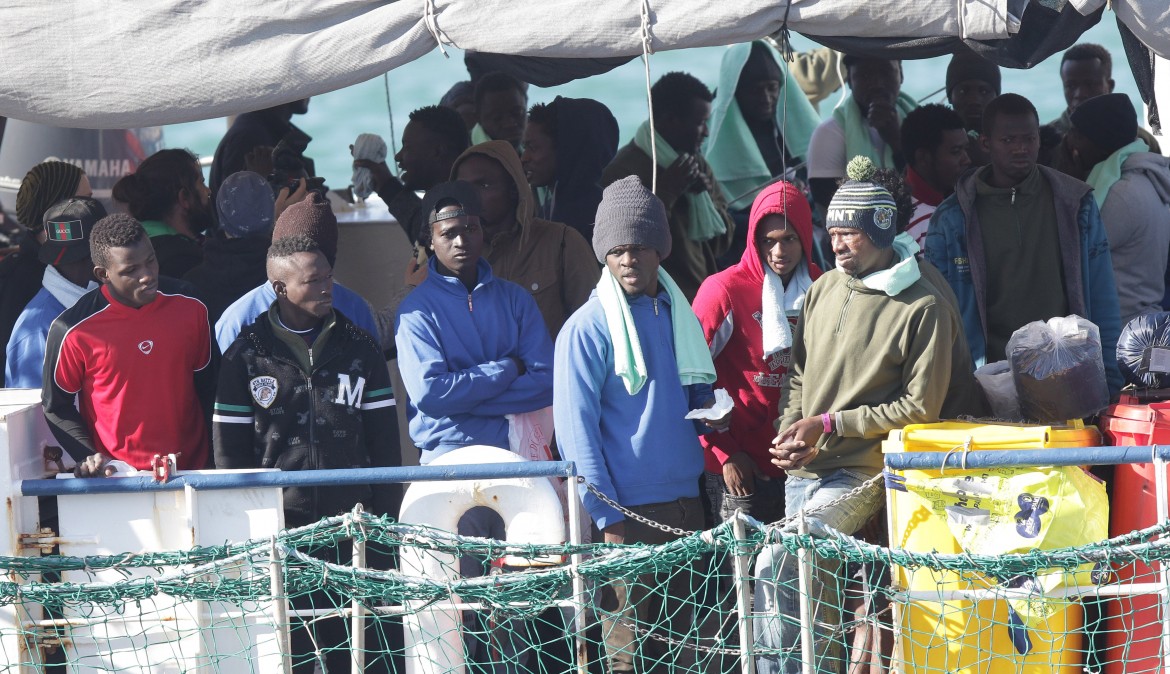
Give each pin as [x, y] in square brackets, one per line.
[873, 351]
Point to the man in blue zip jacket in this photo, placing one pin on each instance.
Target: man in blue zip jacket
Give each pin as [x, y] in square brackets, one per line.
[1019, 242]
[472, 348]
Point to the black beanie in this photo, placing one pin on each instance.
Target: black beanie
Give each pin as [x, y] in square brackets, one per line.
[971, 66]
[1110, 121]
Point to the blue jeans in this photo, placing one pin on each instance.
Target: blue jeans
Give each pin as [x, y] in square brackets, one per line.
[777, 585]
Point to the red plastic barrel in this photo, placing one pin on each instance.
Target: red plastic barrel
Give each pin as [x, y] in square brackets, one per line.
[1134, 628]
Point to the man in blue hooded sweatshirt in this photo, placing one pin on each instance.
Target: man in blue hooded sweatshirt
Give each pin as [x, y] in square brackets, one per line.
[630, 364]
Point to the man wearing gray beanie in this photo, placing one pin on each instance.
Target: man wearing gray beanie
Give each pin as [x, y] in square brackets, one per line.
[629, 365]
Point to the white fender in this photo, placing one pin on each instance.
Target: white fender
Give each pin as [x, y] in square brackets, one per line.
[531, 512]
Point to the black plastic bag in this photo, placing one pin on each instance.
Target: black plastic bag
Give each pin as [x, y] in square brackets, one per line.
[1143, 351]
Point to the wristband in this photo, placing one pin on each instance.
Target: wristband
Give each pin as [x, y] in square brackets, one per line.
[827, 422]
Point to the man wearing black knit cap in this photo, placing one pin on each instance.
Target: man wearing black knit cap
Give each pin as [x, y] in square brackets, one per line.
[21, 273]
[1132, 187]
[972, 83]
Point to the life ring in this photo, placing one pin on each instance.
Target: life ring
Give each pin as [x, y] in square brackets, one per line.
[531, 512]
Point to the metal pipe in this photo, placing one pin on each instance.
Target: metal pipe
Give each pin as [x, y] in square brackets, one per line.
[804, 578]
[1131, 590]
[573, 499]
[1162, 500]
[279, 607]
[357, 621]
[209, 480]
[990, 458]
[743, 596]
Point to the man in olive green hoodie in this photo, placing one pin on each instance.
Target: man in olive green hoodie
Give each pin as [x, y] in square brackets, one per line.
[873, 352]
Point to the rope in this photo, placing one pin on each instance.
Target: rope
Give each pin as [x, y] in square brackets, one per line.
[647, 50]
[393, 135]
[430, 18]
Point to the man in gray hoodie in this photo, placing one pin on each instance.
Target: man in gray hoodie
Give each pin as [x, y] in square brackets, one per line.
[1132, 188]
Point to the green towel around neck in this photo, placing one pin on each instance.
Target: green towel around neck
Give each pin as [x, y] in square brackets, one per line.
[856, 128]
[690, 347]
[731, 149]
[478, 135]
[705, 221]
[1108, 172]
[903, 274]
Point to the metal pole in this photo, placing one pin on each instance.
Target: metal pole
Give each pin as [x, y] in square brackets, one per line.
[743, 596]
[804, 570]
[573, 498]
[279, 607]
[305, 478]
[1163, 499]
[357, 620]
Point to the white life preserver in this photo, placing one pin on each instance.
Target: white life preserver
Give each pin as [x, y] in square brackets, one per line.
[531, 512]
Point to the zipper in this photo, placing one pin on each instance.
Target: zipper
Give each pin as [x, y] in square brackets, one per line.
[655, 301]
[1016, 217]
[310, 368]
[469, 307]
[312, 426]
[844, 309]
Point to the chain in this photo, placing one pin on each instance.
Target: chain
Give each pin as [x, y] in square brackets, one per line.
[682, 532]
[631, 514]
[856, 491]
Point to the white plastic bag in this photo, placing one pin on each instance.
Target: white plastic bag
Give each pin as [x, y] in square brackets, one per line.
[1000, 388]
[530, 436]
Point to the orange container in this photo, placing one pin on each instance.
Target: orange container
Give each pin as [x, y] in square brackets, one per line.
[1134, 623]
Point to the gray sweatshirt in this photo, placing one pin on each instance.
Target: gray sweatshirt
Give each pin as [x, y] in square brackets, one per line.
[1136, 215]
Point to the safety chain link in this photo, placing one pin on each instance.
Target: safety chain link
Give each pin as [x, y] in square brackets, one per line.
[631, 514]
[683, 532]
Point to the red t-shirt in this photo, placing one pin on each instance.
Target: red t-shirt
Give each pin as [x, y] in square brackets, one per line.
[134, 369]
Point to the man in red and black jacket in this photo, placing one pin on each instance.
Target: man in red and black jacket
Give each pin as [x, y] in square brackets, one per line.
[135, 356]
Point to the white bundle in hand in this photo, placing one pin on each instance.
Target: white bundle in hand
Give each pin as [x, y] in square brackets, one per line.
[367, 146]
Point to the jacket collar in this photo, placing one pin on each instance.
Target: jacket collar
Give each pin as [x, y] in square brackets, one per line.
[452, 284]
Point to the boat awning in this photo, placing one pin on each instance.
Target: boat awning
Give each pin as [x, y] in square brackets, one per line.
[128, 63]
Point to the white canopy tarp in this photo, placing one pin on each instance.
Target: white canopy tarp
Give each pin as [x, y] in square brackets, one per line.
[134, 63]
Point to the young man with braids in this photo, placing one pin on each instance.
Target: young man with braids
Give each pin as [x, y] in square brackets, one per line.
[135, 355]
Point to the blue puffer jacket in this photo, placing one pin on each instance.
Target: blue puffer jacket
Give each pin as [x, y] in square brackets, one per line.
[954, 244]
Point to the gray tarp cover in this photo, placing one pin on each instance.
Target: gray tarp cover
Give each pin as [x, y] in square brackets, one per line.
[134, 63]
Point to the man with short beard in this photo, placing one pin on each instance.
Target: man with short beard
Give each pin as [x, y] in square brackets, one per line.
[129, 369]
[168, 196]
[630, 364]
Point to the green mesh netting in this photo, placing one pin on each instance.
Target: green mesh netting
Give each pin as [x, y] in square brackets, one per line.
[701, 603]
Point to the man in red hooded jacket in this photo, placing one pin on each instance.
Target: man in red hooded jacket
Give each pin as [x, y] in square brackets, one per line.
[747, 312]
